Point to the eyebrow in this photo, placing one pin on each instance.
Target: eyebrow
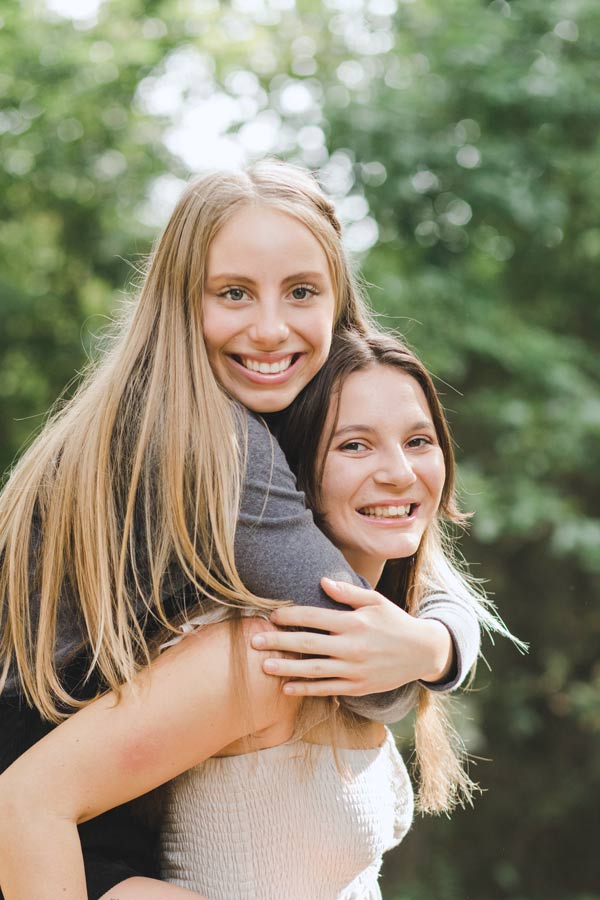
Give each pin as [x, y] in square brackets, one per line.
[416, 426]
[422, 423]
[233, 276]
[305, 276]
[348, 428]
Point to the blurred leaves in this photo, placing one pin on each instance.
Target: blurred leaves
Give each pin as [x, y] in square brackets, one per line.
[461, 143]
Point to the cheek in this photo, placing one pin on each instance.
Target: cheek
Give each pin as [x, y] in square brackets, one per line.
[216, 327]
[319, 340]
[436, 478]
[317, 330]
[330, 491]
[209, 331]
[336, 492]
[320, 353]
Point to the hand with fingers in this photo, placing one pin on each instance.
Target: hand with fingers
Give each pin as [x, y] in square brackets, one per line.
[373, 647]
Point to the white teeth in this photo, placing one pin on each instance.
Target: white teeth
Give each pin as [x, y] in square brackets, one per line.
[266, 368]
[387, 512]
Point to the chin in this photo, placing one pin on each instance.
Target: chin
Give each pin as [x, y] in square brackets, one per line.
[406, 550]
[260, 403]
[268, 404]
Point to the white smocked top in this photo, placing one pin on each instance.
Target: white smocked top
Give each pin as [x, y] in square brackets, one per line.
[286, 824]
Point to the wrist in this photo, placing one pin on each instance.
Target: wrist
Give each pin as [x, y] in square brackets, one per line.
[439, 655]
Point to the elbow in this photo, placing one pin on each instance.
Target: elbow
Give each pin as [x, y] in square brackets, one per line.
[17, 801]
[9, 798]
[14, 818]
[24, 802]
[28, 820]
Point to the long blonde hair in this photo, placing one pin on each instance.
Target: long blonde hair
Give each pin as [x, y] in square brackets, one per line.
[140, 473]
[434, 571]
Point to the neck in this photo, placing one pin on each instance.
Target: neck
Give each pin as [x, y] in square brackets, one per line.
[366, 566]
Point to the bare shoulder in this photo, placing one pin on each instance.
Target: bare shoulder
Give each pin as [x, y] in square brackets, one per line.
[221, 654]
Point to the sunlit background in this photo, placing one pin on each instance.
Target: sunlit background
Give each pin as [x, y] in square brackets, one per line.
[460, 142]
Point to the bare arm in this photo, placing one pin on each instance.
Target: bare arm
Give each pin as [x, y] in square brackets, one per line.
[182, 710]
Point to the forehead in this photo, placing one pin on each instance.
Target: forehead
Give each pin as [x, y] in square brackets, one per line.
[382, 394]
[258, 236]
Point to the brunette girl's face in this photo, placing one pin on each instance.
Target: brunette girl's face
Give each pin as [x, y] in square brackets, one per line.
[384, 470]
[268, 307]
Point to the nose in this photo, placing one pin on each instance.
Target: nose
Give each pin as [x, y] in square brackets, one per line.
[269, 328]
[395, 469]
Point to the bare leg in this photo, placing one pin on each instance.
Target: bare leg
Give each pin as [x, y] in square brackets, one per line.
[149, 889]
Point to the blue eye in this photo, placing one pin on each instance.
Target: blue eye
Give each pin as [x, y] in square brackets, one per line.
[236, 294]
[303, 292]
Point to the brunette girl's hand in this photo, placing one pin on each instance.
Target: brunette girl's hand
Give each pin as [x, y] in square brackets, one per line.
[374, 647]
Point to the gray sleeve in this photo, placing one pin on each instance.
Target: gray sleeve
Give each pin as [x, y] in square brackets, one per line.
[282, 555]
[279, 551]
[463, 625]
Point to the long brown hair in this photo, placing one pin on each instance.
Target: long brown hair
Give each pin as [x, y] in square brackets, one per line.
[139, 474]
[440, 756]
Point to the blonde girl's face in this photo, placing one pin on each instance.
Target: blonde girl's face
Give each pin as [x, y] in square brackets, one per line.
[384, 470]
[268, 307]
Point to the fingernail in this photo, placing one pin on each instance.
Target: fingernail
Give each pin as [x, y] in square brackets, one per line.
[330, 582]
[288, 689]
[271, 665]
[258, 642]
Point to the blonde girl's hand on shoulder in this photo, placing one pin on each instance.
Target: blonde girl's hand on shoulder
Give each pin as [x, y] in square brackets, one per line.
[373, 647]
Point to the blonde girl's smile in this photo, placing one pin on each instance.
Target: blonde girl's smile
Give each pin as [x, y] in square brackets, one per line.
[270, 368]
[268, 307]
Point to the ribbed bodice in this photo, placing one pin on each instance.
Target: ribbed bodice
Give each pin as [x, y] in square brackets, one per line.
[286, 824]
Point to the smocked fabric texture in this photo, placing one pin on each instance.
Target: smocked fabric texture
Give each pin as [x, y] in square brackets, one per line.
[286, 822]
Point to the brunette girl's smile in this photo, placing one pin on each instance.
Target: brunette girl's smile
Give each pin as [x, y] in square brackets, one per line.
[393, 510]
[268, 307]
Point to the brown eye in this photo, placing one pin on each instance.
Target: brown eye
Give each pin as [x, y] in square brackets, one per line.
[354, 446]
[417, 442]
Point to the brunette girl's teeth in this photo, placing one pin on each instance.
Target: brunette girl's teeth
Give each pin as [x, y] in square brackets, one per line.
[385, 512]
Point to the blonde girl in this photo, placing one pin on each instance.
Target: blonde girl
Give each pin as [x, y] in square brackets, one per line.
[153, 492]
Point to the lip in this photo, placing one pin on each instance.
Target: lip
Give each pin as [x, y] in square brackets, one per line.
[268, 356]
[264, 378]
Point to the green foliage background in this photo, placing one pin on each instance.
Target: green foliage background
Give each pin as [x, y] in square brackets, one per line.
[464, 136]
